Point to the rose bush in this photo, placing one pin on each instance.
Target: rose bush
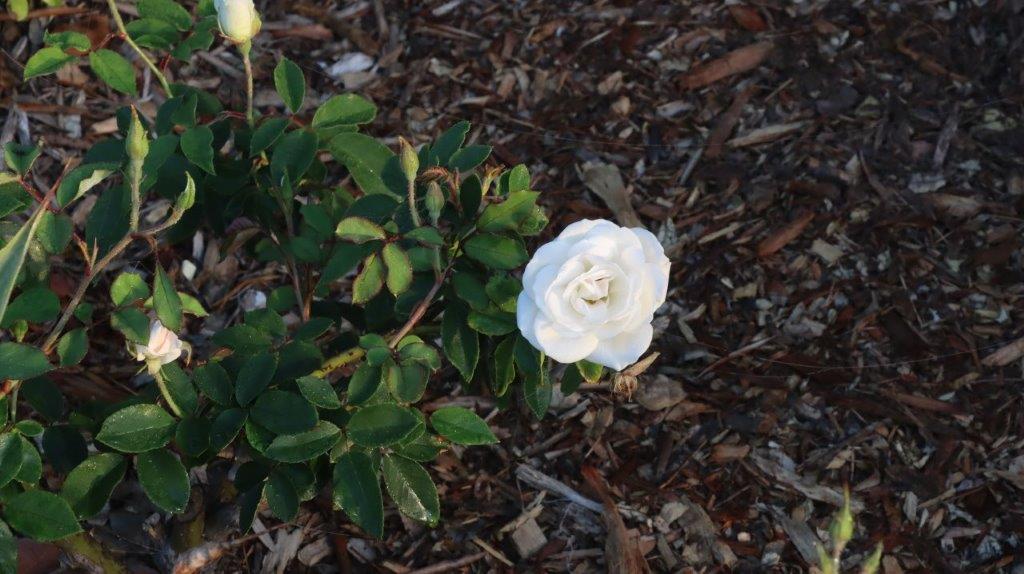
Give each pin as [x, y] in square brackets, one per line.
[591, 294]
[400, 276]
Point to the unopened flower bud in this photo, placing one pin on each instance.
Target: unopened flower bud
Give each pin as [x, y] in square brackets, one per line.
[163, 347]
[137, 144]
[238, 20]
[434, 201]
[410, 160]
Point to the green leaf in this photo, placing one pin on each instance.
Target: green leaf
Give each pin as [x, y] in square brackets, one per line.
[12, 256]
[166, 10]
[39, 305]
[518, 179]
[359, 230]
[197, 145]
[54, 233]
[281, 496]
[471, 194]
[42, 516]
[461, 343]
[369, 281]
[381, 425]
[191, 305]
[537, 388]
[113, 69]
[193, 435]
[166, 301]
[64, 447]
[255, 376]
[108, 220]
[462, 426]
[19, 8]
[423, 449]
[363, 384]
[72, 347]
[164, 479]
[46, 61]
[356, 490]
[137, 428]
[319, 392]
[282, 412]
[8, 549]
[469, 288]
[426, 235]
[128, 288]
[248, 504]
[152, 33]
[449, 142]
[290, 84]
[368, 160]
[44, 396]
[420, 352]
[213, 381]
[31, 464]
[496, 251]
[29, 428]
[492, 322]
[304, 446]
[469, 157]
[242, 339]
[399, 269]
[11, 457]
[504, 292]
[298, 359]
[508, 214]
[19, 362]
[178, 390]
[411, 488]
[265, 135]
[407, 382]
[20, 157]
[592, 372]
[534, 223]
[132, 323]
[293, 156]
[344, 109]
[13, 198]
[225, 428]
[81, 179]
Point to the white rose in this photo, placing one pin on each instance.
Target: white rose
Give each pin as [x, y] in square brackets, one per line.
[164, 347]
[591, 294]
[238, 19]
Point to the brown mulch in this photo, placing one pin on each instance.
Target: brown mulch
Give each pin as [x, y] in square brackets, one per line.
[840, 186]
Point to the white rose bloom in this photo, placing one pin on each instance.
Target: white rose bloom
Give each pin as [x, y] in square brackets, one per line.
[164, 347]
[591, 294]
[238, 19]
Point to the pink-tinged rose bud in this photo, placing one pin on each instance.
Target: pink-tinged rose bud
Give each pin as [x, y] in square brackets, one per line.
[163, 347]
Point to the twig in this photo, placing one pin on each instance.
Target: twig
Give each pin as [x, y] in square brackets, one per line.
[128, 39]
[449, 565]
[421, 309]
[48, 13]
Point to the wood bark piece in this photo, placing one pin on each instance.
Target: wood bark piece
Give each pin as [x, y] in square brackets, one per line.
[621, 552]
[782, 237]
[605, 181]
[738, 61]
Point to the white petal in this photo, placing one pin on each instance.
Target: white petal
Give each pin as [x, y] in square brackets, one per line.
[526, 315]
[654, 252]
[584, 227]
[553, 253]
[562, 345]
[624, 349]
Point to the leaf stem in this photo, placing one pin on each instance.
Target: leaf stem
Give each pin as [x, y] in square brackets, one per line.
[128, 39]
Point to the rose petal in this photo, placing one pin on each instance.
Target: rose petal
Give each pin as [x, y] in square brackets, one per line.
[583, 227]
[560, 344]
[526, 315]
[624, 349]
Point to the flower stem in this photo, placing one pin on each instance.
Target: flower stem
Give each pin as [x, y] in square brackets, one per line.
[128, 39]
[412, 204]
[135, 175]
[336, 362]
[250, 115]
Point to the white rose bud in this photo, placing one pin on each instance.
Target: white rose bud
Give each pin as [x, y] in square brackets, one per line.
[238, 19]
[164, 347]
[591, 294]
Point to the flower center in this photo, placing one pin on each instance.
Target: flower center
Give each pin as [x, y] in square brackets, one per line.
[591, 289]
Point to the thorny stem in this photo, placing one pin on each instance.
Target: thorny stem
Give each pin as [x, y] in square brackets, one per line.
[412, 204]
[128, 39]
[135, 171]
[420, 309]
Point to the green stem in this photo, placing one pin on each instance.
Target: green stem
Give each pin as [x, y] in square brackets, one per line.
[412, 204]
[128, 39]
[250, 115]
[162, 384]
[135, 173]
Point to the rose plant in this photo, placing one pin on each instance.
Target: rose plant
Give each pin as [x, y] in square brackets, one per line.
[400, 266]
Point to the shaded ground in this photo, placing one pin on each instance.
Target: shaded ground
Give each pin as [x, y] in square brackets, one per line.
[841, 188]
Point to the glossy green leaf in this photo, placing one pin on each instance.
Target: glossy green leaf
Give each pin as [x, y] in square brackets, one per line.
[164, 479]
[10, 457]
[12, 256]
[369, 281]
[281, 496]
[41, 515]
[114, 70]
[356, 490]
[497, 251]
[225, 428]
[266, 134]
[469, 157]
[19, 362]
[72, 347]
[363, 384]
[367, 160]
[38, 305]
[166, 10]
[319, 392]
[46, 61]
[449, 142]
[166, 301]
[81, 179]
[282, 412]
[412, 489]
[213, 382]
[132, 323]
[508, 214]
[293, 155]
[461, 343]
[359, 230]
[344, 109]
[399, 268]
[8, 549]
[381, 425]
[290, 84]
[193, 435]
[178, 390]
[492, 322]
[137, 428]
[304, 446]
[255, 376]
[462, 426]
[197, 145]
[54, 233]
[128, 288]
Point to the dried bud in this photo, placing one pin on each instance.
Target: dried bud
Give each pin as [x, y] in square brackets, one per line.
[137, 143]
[434, 201]
[410, 160]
